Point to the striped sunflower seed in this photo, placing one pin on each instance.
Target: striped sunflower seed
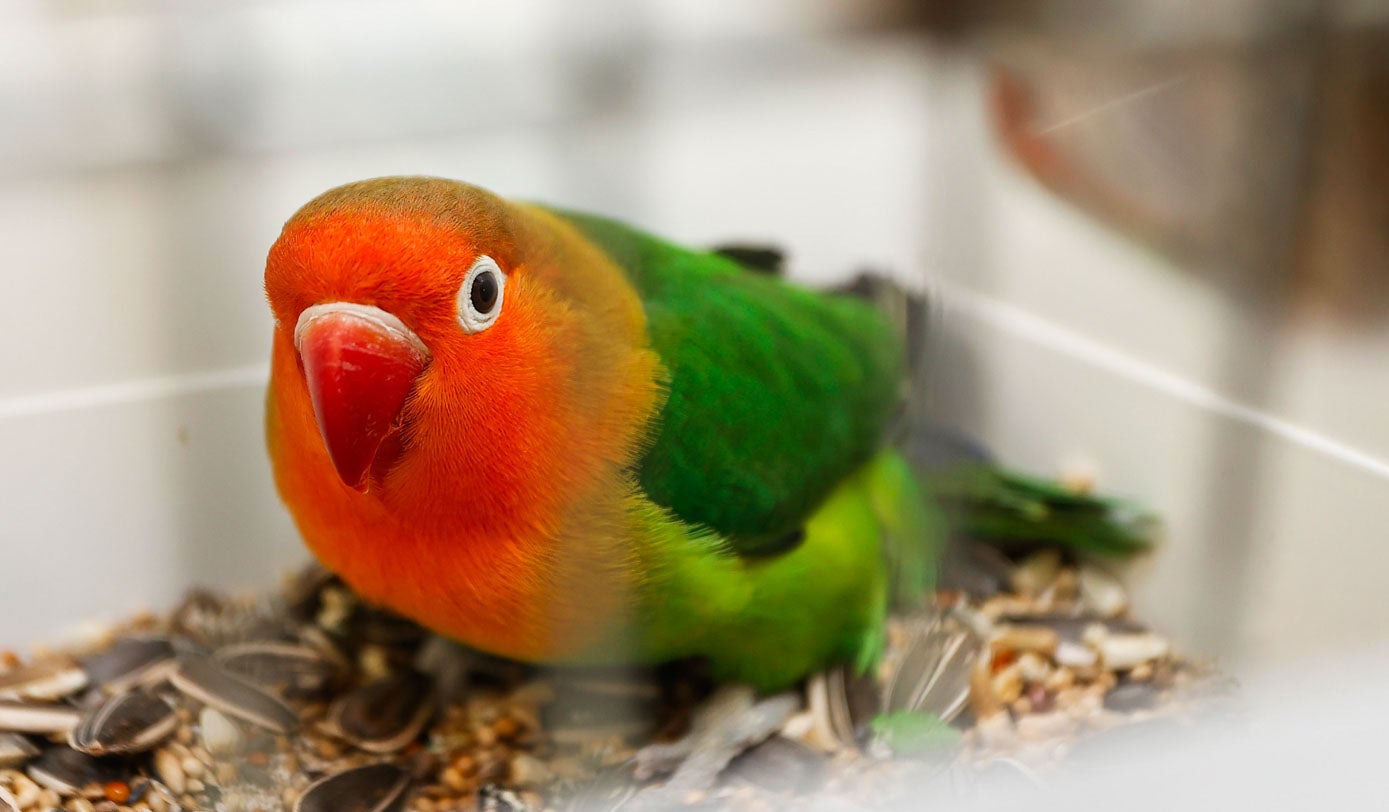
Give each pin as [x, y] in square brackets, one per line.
[129, 662]
[200, 678]
[373, 788]
[384, 715]
[67, 772]
[279, 666]
[128, 723]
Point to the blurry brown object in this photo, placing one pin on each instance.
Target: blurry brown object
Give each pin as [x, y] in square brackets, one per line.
[1345, 263]
[1247, 143]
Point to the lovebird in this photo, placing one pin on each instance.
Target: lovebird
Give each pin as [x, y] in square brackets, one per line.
[558, 439]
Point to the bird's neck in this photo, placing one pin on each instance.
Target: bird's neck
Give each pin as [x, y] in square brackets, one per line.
[688, 589]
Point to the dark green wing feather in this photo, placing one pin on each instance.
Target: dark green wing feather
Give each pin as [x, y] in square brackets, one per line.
[775, 392]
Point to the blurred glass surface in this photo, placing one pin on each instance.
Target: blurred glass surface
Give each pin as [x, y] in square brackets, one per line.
[1156, 233]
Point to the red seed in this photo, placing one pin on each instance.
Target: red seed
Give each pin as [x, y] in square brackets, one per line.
[117, 792]
[1003, 658]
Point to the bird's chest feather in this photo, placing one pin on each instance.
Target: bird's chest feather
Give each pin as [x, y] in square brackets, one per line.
[524, 585]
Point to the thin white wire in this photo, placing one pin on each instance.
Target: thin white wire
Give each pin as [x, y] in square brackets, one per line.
[1027, 326]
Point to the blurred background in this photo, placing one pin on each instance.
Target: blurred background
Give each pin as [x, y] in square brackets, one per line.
[1156, 235]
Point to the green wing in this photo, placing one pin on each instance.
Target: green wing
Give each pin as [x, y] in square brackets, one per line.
[776, 393]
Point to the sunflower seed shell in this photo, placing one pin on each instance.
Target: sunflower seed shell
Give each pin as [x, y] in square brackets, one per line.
[30, 717]
[129, 662]
[200, 678]
[43, 681]
[15, 750]
[385, 715]
[275, 665]
[373, 788]
[128, 723]
[67, 771]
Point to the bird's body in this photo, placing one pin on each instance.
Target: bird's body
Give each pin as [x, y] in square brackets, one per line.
[652, 453]
[557, 439]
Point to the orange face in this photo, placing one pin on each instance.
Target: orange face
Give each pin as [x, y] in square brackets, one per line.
[455, 378]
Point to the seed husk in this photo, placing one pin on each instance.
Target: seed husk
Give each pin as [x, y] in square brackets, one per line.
[220, 735]
[384, 715]
[170, 770]
[494, 798]
[984, 702]
[15, 749]
[389, 629]
[129, 662]
[373, 788]
[1026, 637]
[1101, 592]
[32, 717]
[843, 703]
[612, 788]
[43, 681]
[210, 619]
[276, 665]
[67, 772]
[1121, 652]
[320, 641]
[780, 765]
[127, 723]
[200, 678]
[1072, 626]
[933, 673]
[301, 594]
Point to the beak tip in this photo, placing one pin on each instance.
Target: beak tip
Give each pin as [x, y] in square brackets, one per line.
[353, 473]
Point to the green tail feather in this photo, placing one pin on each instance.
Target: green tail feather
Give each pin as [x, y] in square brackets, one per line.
[1016, 513]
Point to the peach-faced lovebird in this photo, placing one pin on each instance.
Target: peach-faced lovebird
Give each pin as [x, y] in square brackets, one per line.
[558, 439]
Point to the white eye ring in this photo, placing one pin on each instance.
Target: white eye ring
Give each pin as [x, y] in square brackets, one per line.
[478, 291]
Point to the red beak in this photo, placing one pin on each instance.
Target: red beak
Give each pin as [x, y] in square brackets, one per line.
[360, 363]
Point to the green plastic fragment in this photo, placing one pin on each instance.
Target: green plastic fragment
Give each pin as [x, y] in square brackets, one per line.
[914, 733]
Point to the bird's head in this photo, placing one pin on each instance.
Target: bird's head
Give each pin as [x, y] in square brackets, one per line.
[454, 348]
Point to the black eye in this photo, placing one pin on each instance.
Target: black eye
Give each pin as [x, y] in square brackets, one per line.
[484, 292]
[482, 295]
